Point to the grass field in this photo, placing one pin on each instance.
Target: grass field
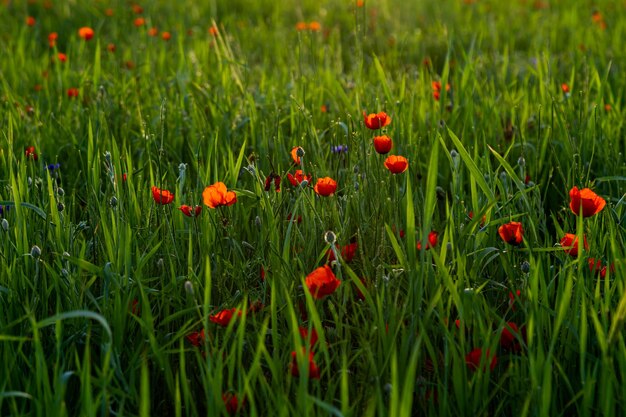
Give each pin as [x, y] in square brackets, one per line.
[197, 219]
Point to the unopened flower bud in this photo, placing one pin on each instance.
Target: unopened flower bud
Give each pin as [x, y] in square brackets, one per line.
[330, 237]
[300, 152]
[525, 267]
[5, 225]
[113, 202]
[189, 287]
[35, 252]
[521, 161]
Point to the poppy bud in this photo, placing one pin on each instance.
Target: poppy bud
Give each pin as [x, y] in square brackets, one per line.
[525, 267]
[5, 225]
[113, 202]
[60, 207]
[330, 237]
[35, 252]
[60, 192]
[189, 287]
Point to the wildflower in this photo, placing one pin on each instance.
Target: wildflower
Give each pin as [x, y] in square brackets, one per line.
[304, 333]
[86, 33]
[474, 358]
[162, 197]
[268, 182]
[62, 57]
[30, 21]
[53, 167]
[190, 211]
[514, 296]
[432, 241]
[140, 21]
[382, 144]
[607, 107]
[325, 186]
[196, 338]
[35, 252]
[512, 233]
[565, 88]
[321, 282]
[569, 242]
[5, 225]
[30, 153]
[315, 26]
[595, 266]
[300, 26]
[509, 337]
[298, 219]
[72, 92]
[314, 371]
[52, 39]
[217, 195]
[137, 9]
[436, 86]
[109, 12]
[376, 121]
[396, 164]
[325, 108]
[111, 47]
[224, 317]
[231, 402]
[166, 36]
[213, 31]
[296, 153]
[298, 178]
[347, 252]
[153, 32]
[590, 202]
[482, 219]
[339, 148]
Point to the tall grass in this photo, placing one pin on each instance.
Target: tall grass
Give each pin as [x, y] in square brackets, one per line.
[103, 291]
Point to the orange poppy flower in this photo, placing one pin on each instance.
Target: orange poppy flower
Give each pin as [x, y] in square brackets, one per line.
[565, 88]
[218, 195]
[298, 178]
[382, 144]
[190, 211]
[512, 233]
[166, 36]
[140, 21]
[30, 21]
[86, 33]
[62, 57]
[30, 153]
[360, 3]
[315, 26]
[72, 92]
[153, 32]
[224, 317]
[569, 242]
[433, 239]
[52, 39]
[376, 121]
[300, 26]
[396, 164]
[162, 197]
[325, 186]
[294, 154]
[322, 282]
[314, 371]
[474, 358]
[213, 31]
[436, 86]
[137, 9]
[590, 202]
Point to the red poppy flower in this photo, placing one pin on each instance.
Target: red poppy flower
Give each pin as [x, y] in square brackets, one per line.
[376, 121]
[196, 338]
[294, 154]
[224, 317]
[595, 266]
[314, 371]
[72, 92]
[166, 36]
[315, 26]
[347, 252]
[153, 32]
[482, 219]
[325, 186]
[62, 57]
[30, 153]
[298, 219]
[30, 21]
[590, 202]
[231, 402]
[474, 358]
[162, 197]
[359, 293]
[382, 144]
[512, 233]
[436, 86]
[513, 297]
[218, 195]
[109, 12]
[213, 31]
[396, 164]
[134, 307]
[297, 179]
[300, 26]
[111, 47]
[322, 282]
[52, 39]
[190, 211]
[509, 337]
[565, 88]
[86, 33]
[137, 9]
[569, 242]
[268, 182]
[433, 238]
[304, 333]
